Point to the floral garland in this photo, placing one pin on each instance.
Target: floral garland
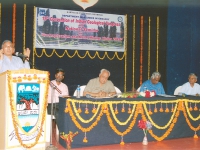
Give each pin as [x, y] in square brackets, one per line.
[188, 111]
[115, 118]
[87, 53]
[76, 122]
[14, 117]
[157, 43]
[188, 122]
[154, 124]
[14, 23]
[140, 108]
[133, 73]
[114, 127]
[141, 47]
[80, 118]
[168, 130]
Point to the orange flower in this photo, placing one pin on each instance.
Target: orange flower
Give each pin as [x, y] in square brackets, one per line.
[161, 109]
[167, 110]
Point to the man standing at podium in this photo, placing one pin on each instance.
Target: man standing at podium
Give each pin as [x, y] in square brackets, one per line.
[10, 62]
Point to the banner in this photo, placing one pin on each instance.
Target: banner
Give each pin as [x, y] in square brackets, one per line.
[67, 29]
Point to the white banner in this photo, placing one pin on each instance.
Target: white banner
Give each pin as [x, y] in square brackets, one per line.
[67, 29]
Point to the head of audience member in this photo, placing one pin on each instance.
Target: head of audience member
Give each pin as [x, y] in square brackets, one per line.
[192, 78]
[8, 48]
[60, 74]
[103, 76]
[155, 77]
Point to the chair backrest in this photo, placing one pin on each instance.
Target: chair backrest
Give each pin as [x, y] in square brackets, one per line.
[176, 91]
[118, 91]
[82, 87]
[138, 90]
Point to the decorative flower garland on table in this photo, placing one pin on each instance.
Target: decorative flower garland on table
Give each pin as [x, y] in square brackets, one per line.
[98, 118]
[14, 116]
[188, 111]
[188, 122]
[115, 118]
[80, 118]
[154, 124]
[140, 108]
[168, 130]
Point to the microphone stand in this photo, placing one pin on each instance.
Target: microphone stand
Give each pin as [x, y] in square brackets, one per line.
[53, 88]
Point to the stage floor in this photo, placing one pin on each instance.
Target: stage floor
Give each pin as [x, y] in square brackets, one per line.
[175, 144]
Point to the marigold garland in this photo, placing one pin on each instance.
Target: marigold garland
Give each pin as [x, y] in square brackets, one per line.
[80, 118]
[115, 118]
[114, 127]
[189, 114]
[137, 108]
[153, 123]
[168, 130]
[14, 24]
[98, 118]
[188, 122]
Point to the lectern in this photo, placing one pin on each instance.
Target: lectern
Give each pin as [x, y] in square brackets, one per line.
[23, 102]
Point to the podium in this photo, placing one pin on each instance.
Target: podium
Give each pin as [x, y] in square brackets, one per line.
[23, 102]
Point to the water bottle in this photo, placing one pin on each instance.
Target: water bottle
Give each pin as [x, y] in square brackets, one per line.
[78, 91]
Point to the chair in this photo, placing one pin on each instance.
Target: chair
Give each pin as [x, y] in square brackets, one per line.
[118, 91]
[138, 90]
[176, 91]
[81, 90]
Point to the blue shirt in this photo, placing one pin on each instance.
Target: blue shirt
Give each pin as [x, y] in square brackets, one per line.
[148, 85]
[15, 63]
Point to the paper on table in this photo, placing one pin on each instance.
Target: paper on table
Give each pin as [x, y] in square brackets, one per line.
[64, 96]
[165, 95]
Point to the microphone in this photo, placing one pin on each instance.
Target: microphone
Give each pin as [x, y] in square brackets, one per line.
[18, 54]
[55, 87]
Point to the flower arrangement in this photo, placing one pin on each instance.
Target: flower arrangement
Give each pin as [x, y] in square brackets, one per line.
[145, 126]
[68, 138]
[136, 94]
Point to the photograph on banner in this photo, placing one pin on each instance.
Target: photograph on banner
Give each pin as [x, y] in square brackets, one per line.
[79, 30]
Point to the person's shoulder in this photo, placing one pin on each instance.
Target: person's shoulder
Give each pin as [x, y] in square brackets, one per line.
[196, 84]
[109, 81]
[186, 84]
[147, 81]
[93, 79]
[63, 84]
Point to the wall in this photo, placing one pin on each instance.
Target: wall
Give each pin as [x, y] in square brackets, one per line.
[183, 43]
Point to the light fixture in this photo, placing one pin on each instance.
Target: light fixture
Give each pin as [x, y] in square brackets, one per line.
[85, 3]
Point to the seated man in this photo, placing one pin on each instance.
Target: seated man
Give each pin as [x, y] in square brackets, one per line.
[10, 62]
[100, 86]
[191, 87]
[153, 84]
[59, 88]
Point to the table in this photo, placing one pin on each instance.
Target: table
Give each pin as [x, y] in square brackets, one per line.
[110, 128]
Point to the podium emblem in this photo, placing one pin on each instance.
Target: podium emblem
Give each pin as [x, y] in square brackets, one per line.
[27, 105]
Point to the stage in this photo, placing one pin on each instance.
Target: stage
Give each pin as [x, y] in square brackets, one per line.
[176, 117]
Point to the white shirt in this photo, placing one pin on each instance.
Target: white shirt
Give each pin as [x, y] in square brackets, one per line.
[187, 89]
[15, 63]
